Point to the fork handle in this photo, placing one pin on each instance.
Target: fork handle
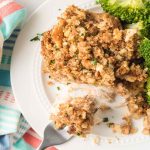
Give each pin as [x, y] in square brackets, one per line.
[43, 146]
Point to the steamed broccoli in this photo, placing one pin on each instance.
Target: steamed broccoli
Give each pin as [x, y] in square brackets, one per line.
[130, 11]
[144, 50]
[142, 27]
[148, 91]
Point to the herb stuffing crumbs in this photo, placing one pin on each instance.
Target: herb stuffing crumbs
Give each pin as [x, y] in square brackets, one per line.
[104, 107]
[110, 141]
[97, 140]
[105, 55]
[50, 83]
[125, 128]
[77, 114]
[146, 123]
[93, 48]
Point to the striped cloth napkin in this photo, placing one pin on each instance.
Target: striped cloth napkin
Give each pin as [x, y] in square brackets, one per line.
[15, 132]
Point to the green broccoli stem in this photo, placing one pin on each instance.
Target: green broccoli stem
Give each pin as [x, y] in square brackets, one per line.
[142, 27]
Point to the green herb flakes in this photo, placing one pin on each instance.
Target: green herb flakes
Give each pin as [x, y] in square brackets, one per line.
[105, 119]
[52, 62]
[94, 61]
[37, 37]
[58, 88]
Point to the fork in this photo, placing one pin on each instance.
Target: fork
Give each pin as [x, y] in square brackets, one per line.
[54, 137]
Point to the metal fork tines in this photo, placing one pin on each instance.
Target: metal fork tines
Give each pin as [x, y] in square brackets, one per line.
[54, 137]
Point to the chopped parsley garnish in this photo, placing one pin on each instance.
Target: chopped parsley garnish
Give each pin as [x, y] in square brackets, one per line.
[37, 37]
[58, 88]
[82, 34]
[94, 61]
[105, 119]
[78, 134]
[55, 46]
[52, 62]
[65, 62]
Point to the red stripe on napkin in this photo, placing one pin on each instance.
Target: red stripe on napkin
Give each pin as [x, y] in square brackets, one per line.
[8, 9]
[34, 140]
[51, 148]
[31, 140]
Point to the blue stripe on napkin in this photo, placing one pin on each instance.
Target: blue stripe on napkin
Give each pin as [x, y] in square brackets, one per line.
[4, 143]
[5, 78]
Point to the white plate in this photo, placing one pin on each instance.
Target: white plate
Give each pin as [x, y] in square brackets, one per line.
[32, 91]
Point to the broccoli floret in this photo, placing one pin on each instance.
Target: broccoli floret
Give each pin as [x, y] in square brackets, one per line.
[148, 91]
[142, 27]
[130, 11]
[144, 50]
[148, 99]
